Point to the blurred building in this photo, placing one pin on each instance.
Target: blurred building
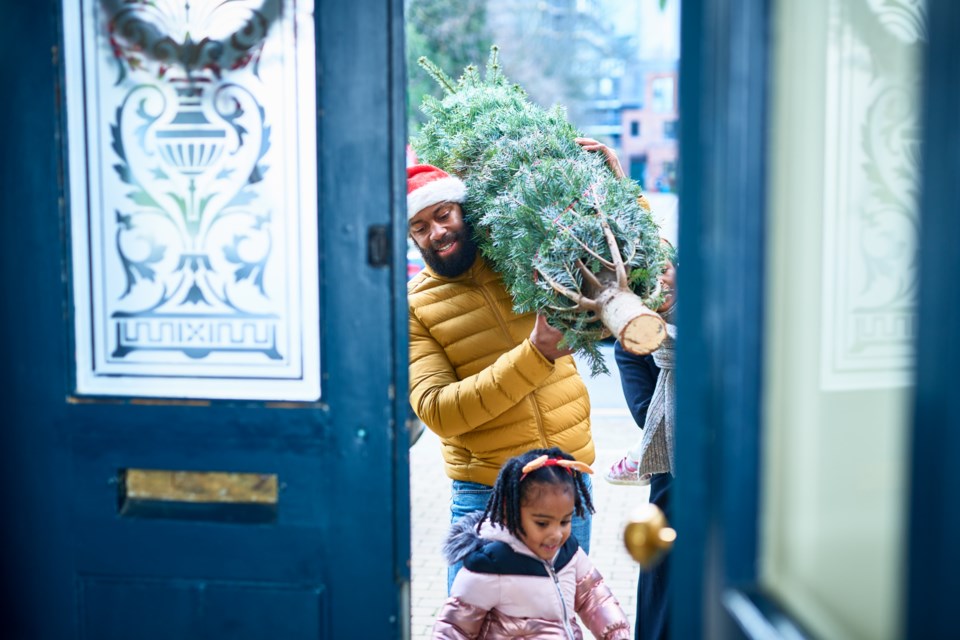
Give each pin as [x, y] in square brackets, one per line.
[648, 133]
[633, 103]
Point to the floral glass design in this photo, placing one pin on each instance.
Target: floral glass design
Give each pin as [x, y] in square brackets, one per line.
[192, 164]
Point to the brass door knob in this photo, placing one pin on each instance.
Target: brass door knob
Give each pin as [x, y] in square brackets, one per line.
[647, 536]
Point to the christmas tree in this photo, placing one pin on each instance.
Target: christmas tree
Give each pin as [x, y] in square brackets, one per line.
[572, 241]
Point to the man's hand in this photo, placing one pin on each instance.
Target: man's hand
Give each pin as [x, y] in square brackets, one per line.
[545, 339]
[593, 145]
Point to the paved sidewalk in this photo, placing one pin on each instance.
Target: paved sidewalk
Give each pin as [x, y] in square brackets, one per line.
[613, 430]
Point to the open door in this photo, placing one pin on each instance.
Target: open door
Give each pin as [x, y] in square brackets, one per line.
[817, 413]
[204, 320]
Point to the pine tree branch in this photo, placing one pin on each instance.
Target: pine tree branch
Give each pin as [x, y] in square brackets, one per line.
[575, 308]
[583, 302]
[445, 81]
[633, 253]
[470, 77]
[493, 74]
[566, 293]
[588, 275]
[618, 268]
[609, 265]
[652, 301]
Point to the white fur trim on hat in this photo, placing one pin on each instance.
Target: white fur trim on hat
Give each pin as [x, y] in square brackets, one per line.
[449, 189]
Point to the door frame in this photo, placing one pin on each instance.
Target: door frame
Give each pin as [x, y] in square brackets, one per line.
[724, 109]
[722, 192]
[934, 524]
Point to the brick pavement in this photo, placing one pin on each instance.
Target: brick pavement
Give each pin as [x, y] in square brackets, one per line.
[613, 430]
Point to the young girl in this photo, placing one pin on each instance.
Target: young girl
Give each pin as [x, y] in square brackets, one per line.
[523, 574]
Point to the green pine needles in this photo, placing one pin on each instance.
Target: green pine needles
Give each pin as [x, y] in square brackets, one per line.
[571, 240]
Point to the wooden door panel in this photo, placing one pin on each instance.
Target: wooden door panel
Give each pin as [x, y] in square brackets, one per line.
[199, 609]
[331, 560]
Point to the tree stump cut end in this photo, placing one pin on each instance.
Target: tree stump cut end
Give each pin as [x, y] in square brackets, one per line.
[639, 330]
[643, 334]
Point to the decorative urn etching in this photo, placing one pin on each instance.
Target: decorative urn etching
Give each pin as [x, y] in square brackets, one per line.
[871, 165]
[197, 176]
[192, 143]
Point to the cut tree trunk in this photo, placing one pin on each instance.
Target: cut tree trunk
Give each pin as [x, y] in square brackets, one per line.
[639, 330]
[608, 298]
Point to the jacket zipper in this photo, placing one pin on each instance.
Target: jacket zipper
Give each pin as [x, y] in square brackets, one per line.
[563, 605]
[503, 327]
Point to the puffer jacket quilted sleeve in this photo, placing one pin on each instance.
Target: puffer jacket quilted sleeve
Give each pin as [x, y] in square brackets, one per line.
[596, 605]
[459, 620]
[451, 406]
[478, 382]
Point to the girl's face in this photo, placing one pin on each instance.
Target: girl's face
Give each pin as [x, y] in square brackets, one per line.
[546, 513]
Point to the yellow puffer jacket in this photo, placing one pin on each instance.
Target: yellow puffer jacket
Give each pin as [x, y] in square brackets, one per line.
[478, 382]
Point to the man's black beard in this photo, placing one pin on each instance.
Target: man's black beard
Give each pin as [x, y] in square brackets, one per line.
[456, 263]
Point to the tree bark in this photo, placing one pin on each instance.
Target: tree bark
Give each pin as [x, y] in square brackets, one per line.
[639, 330]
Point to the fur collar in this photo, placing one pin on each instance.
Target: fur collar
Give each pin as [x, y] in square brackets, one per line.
[463, 538]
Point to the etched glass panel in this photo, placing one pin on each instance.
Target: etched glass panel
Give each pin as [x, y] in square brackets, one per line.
[840, 307]
[192, 167]
[871, 167]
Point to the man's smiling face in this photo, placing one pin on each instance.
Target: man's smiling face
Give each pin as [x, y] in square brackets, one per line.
[443, 237]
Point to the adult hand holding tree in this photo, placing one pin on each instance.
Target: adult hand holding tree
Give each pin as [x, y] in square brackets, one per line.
[546, 339]
[573, 241]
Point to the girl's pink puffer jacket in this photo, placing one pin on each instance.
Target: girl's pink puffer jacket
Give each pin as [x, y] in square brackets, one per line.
[505, 591]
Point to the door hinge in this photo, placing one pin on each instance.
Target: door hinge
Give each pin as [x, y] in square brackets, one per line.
[378, 245]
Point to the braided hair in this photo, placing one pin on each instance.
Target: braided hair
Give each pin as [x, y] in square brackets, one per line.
[503, 507]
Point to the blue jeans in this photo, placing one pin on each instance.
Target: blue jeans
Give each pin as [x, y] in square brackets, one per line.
[467, 497]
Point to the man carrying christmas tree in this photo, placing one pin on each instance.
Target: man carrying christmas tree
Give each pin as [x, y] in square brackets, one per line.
[491, 383]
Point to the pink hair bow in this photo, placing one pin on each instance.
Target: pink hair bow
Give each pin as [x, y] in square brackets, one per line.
[547, 461]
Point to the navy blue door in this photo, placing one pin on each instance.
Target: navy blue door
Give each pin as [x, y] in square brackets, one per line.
[732, 400]
[225, 510]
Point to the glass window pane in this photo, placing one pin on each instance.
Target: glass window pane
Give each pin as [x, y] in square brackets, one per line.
[192, 172]
[841, 287]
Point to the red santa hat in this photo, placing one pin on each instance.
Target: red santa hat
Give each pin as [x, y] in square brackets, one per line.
[428, 185]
